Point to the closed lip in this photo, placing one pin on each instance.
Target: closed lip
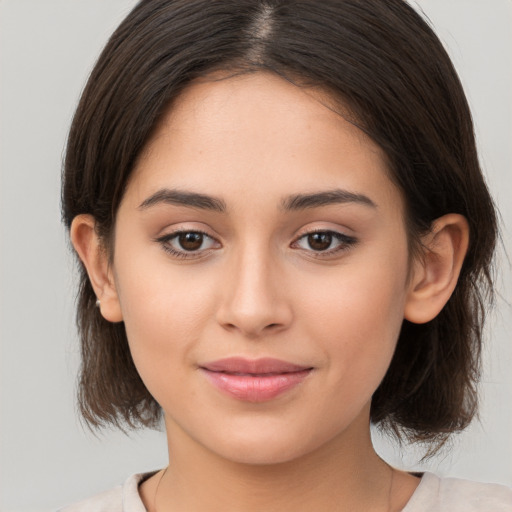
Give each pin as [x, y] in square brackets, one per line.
[254, 380]
[262, 366]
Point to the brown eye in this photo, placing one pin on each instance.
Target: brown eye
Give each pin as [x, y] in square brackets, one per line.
[325, 243]
[320, 241]
[190, 241]
[188, 244]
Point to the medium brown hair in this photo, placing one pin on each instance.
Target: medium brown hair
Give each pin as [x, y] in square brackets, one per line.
[381, 62]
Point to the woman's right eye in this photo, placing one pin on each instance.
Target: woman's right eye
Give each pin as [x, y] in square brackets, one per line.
[187, 244]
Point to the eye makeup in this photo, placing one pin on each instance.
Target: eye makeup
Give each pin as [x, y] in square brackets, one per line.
[189, 244]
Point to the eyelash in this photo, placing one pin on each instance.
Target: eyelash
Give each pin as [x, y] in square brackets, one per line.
[167, 239]
[345, 243]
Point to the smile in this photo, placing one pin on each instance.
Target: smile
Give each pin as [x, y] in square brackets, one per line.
[254, 380]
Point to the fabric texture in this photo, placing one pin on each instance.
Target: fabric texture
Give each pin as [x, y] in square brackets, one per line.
[433, 494]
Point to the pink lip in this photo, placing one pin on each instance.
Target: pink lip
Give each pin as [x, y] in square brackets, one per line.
[255, 380]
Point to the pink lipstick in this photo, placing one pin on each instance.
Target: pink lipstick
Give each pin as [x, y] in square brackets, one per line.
[256, 380]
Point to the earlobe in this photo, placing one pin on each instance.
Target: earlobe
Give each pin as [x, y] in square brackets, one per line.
[93, 255]
[435, 274]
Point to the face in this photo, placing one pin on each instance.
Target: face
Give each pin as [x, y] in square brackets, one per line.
[260, 263]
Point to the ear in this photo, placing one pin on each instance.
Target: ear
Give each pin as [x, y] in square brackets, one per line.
[94, 256]
[435, 273]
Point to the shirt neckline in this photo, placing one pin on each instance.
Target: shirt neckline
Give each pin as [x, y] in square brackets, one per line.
[420, 501]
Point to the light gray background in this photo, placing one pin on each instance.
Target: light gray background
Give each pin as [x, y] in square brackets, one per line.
[47, 48]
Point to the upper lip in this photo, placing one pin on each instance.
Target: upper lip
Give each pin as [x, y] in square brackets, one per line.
[253, 366]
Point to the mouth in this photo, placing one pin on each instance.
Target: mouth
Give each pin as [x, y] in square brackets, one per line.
[257, 380]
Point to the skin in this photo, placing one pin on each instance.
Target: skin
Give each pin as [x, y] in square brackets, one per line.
[257, 287]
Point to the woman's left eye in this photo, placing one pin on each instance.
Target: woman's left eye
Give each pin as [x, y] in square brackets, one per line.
[186, 244]
[325, 242]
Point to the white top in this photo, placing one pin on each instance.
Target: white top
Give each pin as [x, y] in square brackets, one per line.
[433, 494]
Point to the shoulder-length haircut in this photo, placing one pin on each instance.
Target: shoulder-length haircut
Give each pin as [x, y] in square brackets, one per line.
[388, 72]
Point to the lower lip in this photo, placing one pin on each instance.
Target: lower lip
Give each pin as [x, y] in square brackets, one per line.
[255, 388]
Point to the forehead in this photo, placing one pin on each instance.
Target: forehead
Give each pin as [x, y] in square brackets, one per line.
[259, 104]
[260, 133]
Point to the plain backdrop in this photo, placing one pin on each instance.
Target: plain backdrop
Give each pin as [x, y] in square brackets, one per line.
[47, 49]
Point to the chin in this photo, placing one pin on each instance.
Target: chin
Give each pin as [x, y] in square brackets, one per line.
[263, 456]
[273, 448]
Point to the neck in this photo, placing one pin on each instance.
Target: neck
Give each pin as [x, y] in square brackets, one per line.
[344, 471]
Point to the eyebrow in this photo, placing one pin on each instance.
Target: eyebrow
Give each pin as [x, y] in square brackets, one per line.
[295, 202]
[184, 198]
[326, 198]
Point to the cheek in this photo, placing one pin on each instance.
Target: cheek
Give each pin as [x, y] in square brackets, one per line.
[356, 318]
[164, 311]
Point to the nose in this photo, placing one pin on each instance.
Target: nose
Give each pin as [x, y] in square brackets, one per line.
[254, 300]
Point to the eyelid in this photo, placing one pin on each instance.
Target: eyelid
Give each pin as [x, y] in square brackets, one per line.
[346, 242]
[165, 242]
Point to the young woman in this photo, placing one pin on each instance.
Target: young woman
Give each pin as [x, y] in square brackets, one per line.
[284, 236]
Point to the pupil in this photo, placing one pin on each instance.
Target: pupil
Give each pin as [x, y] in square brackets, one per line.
[320, 241]
[191, 241]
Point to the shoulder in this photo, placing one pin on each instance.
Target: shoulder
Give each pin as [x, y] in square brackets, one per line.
[108, 501]
[123, 498]
[435, 494]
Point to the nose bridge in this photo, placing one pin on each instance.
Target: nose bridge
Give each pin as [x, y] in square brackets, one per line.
[254, 301]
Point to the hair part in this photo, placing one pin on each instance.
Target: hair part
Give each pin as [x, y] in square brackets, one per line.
[389, 73]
